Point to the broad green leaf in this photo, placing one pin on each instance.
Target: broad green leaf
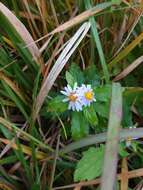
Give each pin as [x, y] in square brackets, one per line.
[79, 126]
[90, 166]
[90, 115]
[76, 73]
[57, 105]
[70, 79]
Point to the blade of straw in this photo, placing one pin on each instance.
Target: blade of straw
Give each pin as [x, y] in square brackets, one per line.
[111, 150]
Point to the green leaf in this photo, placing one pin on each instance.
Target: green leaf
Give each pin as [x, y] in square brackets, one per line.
[15, 99]
[90, 166]
[8, 160]
[122, 150]
[79, 126]
[6, 132]
[35, 186]
[134, 145]
[91, 76]
[96, 39]
[36, 84]
[17, 41]
[20, 156]
[103, 93]
[127, 113]
[102, 108]
[70, 79]
[57, 105]
[76, 73]
[116, 2]
[90, 115]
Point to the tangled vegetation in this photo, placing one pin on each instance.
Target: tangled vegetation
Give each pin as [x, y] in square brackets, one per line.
[71, 94]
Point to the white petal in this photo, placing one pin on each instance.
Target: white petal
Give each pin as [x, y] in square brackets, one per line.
[78, 106]
[83, 86]
[70, 105]
[66, 89]
[89, 87]
[65, 100]
[64, 92]
[73, 106]
[75, 86]
[69, 88]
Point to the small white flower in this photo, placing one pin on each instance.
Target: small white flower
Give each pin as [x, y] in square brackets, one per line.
[130, 139]
[72, 98]
[86, 94]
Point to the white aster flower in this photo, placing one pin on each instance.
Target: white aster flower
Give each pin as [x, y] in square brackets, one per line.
[86, 94]
[72, 97]
[130, 139]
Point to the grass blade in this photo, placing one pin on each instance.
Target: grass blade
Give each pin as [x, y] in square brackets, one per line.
[18, 34]
[126, 51]
[25, 149]
[11, 126]
[129, 69]
[100, 138]
[98, 42]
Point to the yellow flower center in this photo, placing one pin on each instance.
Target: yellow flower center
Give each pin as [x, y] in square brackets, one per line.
[89, 95]
[129, 139]
[72, 97]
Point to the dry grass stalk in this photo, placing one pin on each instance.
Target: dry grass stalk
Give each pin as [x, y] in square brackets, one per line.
[124, 175]
[131, 174]
[129, 69]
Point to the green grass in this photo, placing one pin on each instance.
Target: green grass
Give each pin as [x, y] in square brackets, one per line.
[43, 46]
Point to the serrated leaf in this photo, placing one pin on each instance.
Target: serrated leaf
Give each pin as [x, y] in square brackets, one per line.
[79, 126]
[76, 73]
[57, 105]
[90, 115]
[70, 79]
[90, 166]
